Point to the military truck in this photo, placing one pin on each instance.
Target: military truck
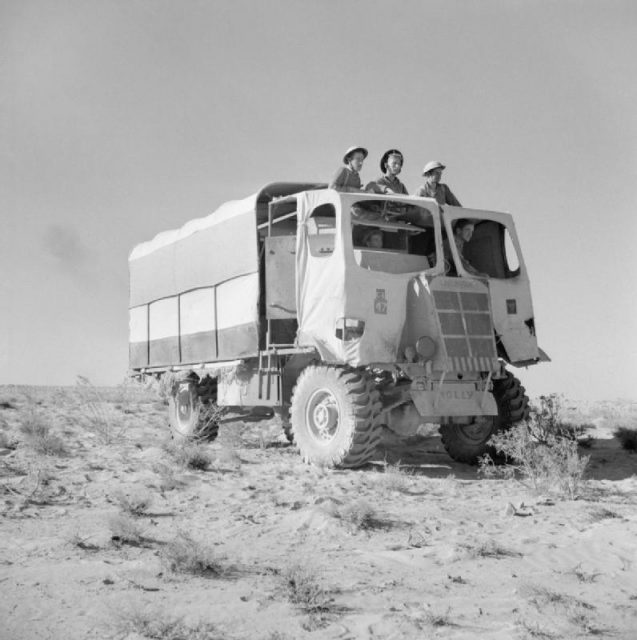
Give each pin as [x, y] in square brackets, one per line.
[279, 300]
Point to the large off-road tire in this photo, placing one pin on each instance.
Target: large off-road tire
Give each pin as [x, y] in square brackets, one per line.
[335, 416]
[192, 409]
[468, 443]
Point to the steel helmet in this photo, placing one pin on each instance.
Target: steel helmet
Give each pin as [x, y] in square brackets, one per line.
[351, 150]
[391, 152]
[430, 166]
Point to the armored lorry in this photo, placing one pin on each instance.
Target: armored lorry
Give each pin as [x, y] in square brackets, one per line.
[280, 300]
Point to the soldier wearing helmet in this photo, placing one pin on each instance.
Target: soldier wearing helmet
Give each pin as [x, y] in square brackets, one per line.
[391, 165]
[433, 188]
[347, 178]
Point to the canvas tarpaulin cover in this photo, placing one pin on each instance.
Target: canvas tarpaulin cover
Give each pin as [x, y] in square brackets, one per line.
[194, 291]
[330, 286]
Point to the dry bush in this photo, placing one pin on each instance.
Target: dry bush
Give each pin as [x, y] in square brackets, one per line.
[185, 554]
[6, 441]
[546, 422]
[435, 619]
[596, 514]
[193, 455]
[126, 530]
[97, 413]
[584, 576]
[81, 542]
[627, 437]
[136, 503]
[305, 590]
[358, 514]
[492, 549]
[536, 631]
[168, 481]
[552, 465]
[396, 478]
[38, 433]
[156, 624]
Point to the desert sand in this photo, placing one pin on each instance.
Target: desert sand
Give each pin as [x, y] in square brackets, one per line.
[108, 533]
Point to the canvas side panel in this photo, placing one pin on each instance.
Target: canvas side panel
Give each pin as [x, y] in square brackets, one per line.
[198, 326]
[163, 330]
[237, 317]
[138, 337]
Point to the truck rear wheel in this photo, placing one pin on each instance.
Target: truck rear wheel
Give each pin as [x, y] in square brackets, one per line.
[334, 416]
[192, 409]
[468, 443]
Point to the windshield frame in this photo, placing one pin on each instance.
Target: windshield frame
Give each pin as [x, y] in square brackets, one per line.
[348, 222]
[450, 214]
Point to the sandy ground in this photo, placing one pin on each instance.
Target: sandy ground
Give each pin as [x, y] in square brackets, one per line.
[413, 546]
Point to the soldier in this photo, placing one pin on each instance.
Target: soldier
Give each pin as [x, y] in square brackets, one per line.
[391, 165]
[433, 188]
[462, 232]
[347, 178]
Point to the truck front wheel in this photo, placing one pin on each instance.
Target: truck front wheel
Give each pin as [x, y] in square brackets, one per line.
[334, 416]
[192, 412]
[468, 443]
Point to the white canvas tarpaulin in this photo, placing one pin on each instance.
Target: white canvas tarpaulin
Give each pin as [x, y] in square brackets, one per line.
[198, 287]
[322, 297]
[194, 291]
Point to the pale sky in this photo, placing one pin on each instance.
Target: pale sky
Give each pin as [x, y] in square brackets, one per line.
[121, 119]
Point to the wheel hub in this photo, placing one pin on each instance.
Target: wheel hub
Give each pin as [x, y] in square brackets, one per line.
[478, 430]
[322, 415]
[184, 405]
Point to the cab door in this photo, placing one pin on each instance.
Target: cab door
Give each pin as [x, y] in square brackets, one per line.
[494, 250]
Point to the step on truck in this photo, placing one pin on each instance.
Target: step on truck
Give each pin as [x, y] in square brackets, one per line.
[280, 300]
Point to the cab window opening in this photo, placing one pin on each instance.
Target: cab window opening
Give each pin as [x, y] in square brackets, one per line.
[391, 236]
[321, 230]
[491, 250]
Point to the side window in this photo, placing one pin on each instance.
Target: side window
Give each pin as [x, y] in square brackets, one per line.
[322, 230]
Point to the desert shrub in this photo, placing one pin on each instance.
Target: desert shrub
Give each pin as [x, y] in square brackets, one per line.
[627, 437]
[135, 503]
[358, 514]
[126, 530]
[193, 455]
[493, 549]
[435, 619]
[551, 466]
[6, 441]
[38, 433]
[546, 421]
[185, 554]
[156, 624]
[306, 591]
[96, 412]
[396, 478]
[82, 542]
[168, 481]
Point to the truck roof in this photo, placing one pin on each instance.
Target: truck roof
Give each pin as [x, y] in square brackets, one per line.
[257, 202]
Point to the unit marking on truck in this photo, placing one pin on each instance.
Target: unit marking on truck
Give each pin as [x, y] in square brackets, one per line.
[380, 303]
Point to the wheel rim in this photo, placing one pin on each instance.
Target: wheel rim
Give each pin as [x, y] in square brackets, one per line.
[478, 431]
[322, 415]
[184, 408]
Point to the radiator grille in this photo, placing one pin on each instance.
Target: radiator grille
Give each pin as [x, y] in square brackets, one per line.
[467, 331]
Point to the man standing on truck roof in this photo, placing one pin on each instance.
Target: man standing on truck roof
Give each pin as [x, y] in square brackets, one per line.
[433, 188]
[391, 165]
[348, 178]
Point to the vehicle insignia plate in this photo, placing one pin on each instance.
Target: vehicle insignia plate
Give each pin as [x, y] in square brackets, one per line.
[380, 303]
